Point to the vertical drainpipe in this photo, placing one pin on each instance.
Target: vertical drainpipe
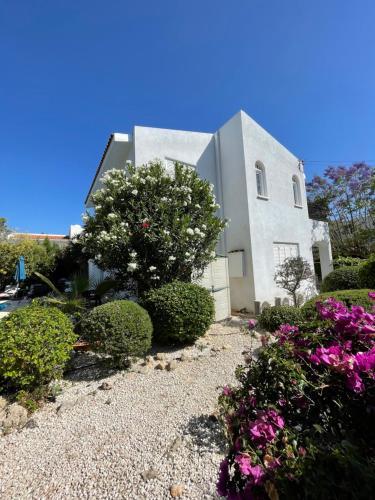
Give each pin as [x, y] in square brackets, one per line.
[220, 184]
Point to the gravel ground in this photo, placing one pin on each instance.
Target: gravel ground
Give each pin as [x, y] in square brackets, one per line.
[148, 432]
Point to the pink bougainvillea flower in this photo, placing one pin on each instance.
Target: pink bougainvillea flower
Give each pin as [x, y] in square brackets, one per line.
[287, 328]
[244, 464]
[355, 383]
[252, 324]
[371, 295]
[227, 391]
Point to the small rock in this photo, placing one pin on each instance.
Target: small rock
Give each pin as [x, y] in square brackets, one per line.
[150, 474]
[215, 348]
[66, 405]
[31, 424]
[171, 365]
[176, 490]
[186, 357]
[226, 347]
[160, 356]
[3, 403]
[161, 365]
[15, 417]
[108, 402]
[105, 386]
[142, 369]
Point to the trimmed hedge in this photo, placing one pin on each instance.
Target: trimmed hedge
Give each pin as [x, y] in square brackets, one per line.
[180, 312]
[272, 317]
[367, 273]
[35, 343]
[348, 297]
[120, 328]
[343, 278]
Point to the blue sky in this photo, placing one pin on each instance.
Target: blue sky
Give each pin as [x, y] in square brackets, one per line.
[73, 72]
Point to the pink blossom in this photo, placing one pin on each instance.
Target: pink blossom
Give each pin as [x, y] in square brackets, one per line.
[354, 382]
[371, 295]
[227, 391]
[252, 324]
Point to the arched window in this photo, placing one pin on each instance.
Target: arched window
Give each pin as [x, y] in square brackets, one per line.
[296, 191]
[260, 174]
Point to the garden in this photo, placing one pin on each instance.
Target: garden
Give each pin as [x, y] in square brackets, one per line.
[134, 408]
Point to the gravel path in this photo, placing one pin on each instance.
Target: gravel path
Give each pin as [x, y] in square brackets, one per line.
[134, 441]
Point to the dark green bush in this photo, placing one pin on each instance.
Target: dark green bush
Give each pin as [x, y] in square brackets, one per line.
[272, 317]
[180, 312]
[343, 278]
[120, 328]
[35, 343]
[348, 297]
[367, 273]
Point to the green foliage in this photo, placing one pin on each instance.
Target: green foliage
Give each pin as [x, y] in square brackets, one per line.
[38, 257]
[348, 297]
[35, 343]
[120, 328]
[180, 312]
[367, 273]
[153, 227]
[347, 262]
[343, 278]
[272, 317]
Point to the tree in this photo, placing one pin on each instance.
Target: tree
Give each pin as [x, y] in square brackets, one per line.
[4, 229]
[153, 227]
[291, 274]
[345, 197]
[37, 258]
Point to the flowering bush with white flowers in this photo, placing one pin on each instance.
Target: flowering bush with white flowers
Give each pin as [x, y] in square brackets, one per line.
[151, 226]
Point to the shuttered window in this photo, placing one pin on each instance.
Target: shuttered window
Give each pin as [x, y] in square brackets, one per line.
[282, 251]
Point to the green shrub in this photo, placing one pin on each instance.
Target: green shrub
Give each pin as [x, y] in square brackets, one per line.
[367, 273]
[120, 328]
[35, 343]
[347, 262]
[348, 297]
[180, 312]
[272, 317]
[343, 278]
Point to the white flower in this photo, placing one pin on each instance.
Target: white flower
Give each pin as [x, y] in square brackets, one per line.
[204, 226]
[98, 257]
[133, 254]
[185, 204]
[142, 180]
[197, 230]
[213, 253]
[112, 216]
[135, 192]
[152, 268]
[109, 198]
[189, 231]
[132, 266]
[85, 217]
[155, 277]
[164, 199]
[165, 231]
[98, 207]
[187, 254]
[197, 205]
[172, 258]
[124, 224]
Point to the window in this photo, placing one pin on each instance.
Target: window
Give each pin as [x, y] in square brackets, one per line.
[282, 251]
[260, 175]
[296, 192]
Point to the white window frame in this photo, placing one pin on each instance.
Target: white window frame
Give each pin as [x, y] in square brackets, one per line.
[297, 197]
[260, 181]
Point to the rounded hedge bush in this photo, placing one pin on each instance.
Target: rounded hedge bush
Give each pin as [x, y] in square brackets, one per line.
[367, 273]
[120, 328]
[180, 312]
[343, 278]
[272, 317]
[35, 343]
[348, 297]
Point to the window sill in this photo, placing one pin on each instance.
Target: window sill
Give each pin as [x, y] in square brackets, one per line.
[298, 206]
[260, 197]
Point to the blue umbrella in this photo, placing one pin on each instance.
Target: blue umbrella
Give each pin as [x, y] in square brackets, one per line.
[20, 270]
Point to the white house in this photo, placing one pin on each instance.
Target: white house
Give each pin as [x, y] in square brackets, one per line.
[260, 187]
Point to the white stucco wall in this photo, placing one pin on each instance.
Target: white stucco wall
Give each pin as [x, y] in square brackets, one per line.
[227, 159]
